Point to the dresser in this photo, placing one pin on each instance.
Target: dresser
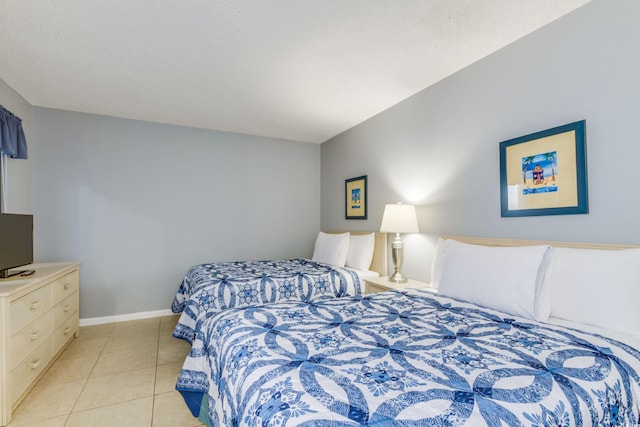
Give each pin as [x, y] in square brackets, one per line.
[38, 319]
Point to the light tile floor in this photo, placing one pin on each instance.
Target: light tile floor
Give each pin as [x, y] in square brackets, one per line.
[117, 374]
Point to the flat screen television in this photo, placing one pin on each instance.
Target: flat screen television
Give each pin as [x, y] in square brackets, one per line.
[16, 243]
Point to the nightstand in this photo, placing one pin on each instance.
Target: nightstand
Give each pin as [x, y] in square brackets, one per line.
[382, 284]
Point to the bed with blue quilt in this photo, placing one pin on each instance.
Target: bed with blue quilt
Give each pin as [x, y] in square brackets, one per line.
[340, 263]
[208, 289]
[404, 358]
[515, 336]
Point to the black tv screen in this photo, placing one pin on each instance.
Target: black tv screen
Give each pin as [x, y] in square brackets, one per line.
[16, 242]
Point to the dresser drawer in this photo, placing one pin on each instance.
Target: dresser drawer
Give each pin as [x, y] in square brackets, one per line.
[26, 309]
[65, 332]
[64, 309]
[65, 286]
[29, 368]
[28, 338]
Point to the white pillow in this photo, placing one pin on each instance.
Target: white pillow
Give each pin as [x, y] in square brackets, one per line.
[597, 287]
[438, 258]
[361, 249]
[506, 279]
[331, 249]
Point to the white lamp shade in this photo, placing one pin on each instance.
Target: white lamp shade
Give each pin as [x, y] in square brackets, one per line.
[398, 218]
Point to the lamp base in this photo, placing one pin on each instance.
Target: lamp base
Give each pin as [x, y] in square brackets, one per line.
[397, 248]
[397, 277]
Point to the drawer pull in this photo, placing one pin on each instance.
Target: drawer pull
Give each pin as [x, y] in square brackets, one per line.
[35, 304]
[35, 364]
[67, 308]
[34, 336]
[67, 330]
[66, 286]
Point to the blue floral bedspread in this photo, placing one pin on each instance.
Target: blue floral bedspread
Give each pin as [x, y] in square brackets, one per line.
[405, 358]
[208, 289]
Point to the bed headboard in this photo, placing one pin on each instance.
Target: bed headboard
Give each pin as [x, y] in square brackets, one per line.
[379, 261]
[491, 241]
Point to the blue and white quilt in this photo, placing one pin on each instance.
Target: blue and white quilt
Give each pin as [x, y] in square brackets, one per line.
[405, 358]
[208, 289]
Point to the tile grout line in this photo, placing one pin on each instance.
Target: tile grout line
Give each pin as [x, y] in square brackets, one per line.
[84, 386]
[155, 374]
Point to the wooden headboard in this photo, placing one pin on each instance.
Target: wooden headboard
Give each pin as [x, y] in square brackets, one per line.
[491, 241]
[379, 261]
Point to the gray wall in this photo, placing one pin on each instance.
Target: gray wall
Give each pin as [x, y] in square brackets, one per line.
[439, 148]
[138, 203]
[18, 170]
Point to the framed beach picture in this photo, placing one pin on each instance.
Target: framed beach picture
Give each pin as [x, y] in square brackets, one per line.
[355, 203]
[545, 173]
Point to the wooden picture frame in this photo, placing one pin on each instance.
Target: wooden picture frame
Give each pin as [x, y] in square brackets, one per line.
[545, 173]
[355, 198]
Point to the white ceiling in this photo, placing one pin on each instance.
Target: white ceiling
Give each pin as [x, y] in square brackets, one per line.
[298, 69]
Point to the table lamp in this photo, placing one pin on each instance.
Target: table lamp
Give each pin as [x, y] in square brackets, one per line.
[398, 218]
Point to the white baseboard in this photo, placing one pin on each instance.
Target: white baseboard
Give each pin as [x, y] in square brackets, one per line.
[125, 317]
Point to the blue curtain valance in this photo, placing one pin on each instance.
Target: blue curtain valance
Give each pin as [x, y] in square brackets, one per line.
[12, 140]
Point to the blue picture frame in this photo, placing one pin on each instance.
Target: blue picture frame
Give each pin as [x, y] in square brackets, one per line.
[545, 173]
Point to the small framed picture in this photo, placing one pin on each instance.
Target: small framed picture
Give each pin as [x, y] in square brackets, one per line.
[545, 173]
[355, 204]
